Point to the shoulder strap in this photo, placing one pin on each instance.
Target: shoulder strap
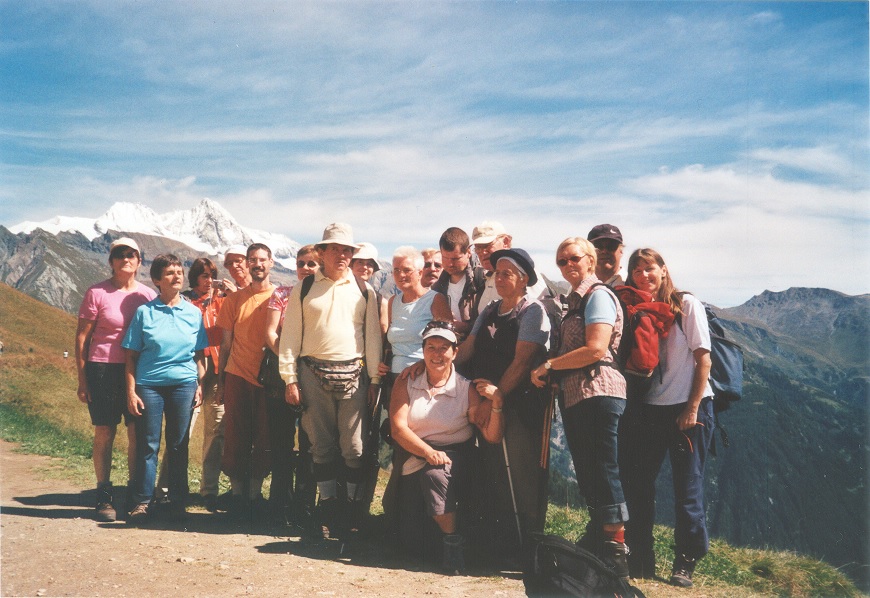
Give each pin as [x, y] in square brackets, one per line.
[307, 283]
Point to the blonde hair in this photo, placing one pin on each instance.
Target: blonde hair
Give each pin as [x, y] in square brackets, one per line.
[585, 246]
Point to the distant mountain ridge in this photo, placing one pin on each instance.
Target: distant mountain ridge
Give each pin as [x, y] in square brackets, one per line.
[207, 227]
[57, 260]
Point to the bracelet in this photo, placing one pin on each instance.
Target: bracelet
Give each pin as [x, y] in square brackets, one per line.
[496, 410]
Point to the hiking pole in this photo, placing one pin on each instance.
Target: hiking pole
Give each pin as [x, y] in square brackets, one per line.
[548, 426]
[507, 463]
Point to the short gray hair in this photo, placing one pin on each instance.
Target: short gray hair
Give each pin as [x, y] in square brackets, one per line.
[408, 252]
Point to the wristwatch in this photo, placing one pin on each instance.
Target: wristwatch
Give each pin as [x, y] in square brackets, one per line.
[548, 365]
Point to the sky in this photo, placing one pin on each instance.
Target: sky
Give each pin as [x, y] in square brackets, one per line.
[732, 137]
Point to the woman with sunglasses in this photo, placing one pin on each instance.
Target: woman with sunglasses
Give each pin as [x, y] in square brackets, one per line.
[432, 419]
[105, 313]
[283, 417]
[592, 398]
[674, 418]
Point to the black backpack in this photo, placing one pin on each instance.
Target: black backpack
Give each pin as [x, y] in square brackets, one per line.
[561, 568]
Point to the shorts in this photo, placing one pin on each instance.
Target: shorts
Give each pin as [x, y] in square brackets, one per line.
[107, 387]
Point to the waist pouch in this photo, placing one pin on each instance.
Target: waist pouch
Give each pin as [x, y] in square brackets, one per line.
[336, 376]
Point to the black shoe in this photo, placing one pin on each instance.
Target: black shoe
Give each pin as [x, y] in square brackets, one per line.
[238, 507]
[615, 555]
[681, 574]
[210, 502]
[454, 555]
[104, 511]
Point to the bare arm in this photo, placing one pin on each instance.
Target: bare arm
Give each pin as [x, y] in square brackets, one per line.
[273, 318]
[689, 417]
[134, 403]
[441, 309]
[84, 332]
[407, 439]
[199, 359]
[493, 429]
[226, 346]
[597, 341]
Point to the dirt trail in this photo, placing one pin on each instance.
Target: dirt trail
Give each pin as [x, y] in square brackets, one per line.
[50, 546]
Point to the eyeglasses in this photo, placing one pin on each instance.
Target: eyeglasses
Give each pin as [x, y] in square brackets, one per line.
[433, 265]
[606, 244]
[439, 324]
[574, 259]
[403, 271]
[308, 264]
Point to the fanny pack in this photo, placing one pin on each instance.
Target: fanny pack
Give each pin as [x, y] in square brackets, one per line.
[336, 376]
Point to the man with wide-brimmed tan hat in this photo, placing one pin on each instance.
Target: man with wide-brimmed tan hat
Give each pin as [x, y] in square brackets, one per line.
[330, 349]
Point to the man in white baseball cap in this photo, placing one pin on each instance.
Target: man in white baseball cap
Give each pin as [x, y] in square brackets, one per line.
[236, 263]
[487, 237]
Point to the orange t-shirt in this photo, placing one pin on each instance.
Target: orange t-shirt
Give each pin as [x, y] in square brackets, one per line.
[245, 314]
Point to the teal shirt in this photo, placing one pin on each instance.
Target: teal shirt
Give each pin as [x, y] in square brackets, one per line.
[166, 339]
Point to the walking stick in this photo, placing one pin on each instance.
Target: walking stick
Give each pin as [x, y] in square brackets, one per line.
[548, 426]
[507, 463]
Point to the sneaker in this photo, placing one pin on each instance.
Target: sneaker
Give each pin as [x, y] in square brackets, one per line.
[104, 511]
[615, 555]
[138, 514]
[681, 574]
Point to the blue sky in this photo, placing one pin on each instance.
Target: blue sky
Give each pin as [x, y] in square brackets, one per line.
[730, 136]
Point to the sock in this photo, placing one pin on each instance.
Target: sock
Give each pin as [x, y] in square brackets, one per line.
[328, 489]
[616, 536]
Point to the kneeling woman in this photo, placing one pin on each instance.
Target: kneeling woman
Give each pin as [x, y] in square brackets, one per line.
[432, 418]
[165, 363]
[675, 418]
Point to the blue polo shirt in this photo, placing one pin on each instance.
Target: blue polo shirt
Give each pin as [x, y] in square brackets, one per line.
[166, 339]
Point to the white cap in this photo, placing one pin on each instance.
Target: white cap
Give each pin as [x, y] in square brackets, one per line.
[124, 242]
[487, 232]
[236, 250]
[445, 333]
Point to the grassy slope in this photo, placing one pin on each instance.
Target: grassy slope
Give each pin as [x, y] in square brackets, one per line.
[39, 409]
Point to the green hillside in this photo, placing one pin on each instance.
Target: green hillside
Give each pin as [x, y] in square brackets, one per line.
[38, 407]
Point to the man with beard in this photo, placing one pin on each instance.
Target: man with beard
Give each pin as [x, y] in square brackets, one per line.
[607, 241]
[432, 267]
[244, 318]
[330, 349]
[461, 282]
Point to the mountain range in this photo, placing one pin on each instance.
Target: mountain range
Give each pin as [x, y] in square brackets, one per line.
[795, 473]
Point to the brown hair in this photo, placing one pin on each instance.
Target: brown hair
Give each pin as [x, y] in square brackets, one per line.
[200, 265]
[667, 292]
[161, 262]
[454, 238]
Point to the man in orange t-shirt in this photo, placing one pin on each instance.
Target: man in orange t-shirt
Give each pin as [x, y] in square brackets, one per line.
[244, 319]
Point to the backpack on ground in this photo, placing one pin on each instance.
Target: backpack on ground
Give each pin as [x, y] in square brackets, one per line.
[561, 568]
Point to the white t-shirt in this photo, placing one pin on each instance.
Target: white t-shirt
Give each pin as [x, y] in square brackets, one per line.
[676, 356]
[454, 295]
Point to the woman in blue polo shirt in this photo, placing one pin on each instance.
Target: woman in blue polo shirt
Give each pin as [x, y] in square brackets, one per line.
[165, 362]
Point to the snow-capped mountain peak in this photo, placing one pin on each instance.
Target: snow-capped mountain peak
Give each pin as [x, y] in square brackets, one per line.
[206, 227]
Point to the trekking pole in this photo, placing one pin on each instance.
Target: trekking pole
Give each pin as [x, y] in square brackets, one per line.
[507, 463]
[548, 426]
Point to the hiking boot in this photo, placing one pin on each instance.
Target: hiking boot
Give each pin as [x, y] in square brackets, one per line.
[239, 507]
[681, 574]
[177, 511]
[138, 514]
[615, 555]
[454, 555]
[104, 511]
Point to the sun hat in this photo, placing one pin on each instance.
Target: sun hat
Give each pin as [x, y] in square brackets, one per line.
[367, 251]
[338, 233]
[521, 259]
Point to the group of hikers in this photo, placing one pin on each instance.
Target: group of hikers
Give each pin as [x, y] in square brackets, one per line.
[467, 348]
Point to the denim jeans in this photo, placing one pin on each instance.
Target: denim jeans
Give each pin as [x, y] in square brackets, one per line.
[591, 430]
[176, 402]
[647, 433]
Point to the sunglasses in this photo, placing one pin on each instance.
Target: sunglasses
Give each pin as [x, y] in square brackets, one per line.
[129, 254]
[606, 245]
[439, 324]
[308, 264]
[431, 265]
[574, 259]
